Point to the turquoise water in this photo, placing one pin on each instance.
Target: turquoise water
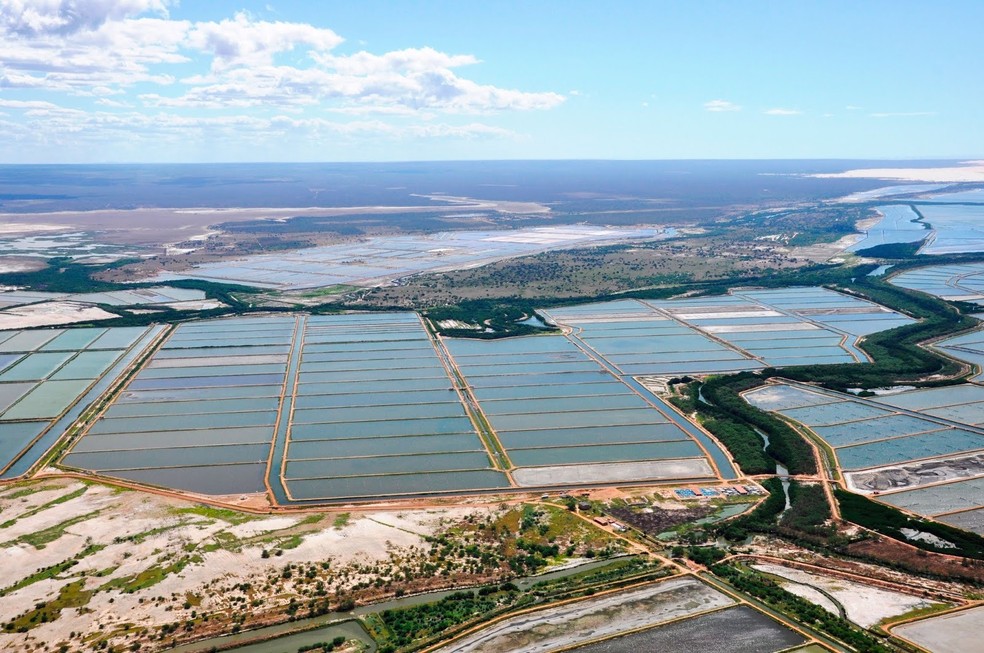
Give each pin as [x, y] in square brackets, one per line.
[874, 429]
[570, 420]
[405, 464]
[301, 449]
[47, 400]
[159, 458]
[913, 447]
[368, 486]
[36, 366]
[179, 422]
[562, 404]
[170, 439]
[407, 398]
[74, 340]
[211, 479]
[591, 435]
[381, 429]
[377, 413]
[88, 365]
[204, 406]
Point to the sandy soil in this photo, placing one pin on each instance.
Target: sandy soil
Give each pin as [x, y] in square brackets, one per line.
[188, 551]
[49, 313]
[958, 632]
[20, 264]
[865, 605]
[971, 171]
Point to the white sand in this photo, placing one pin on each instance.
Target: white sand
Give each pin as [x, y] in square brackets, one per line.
[48, 313]
[141, 532]
[865, 605]
[970, 172]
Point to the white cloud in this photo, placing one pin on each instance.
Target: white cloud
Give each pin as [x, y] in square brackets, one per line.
[134, 72]
[721, 105]
[243, 41]
[779, 111]
[35, 18]
[403, 81]
[27, 104]
[902, 114]
[100, 47]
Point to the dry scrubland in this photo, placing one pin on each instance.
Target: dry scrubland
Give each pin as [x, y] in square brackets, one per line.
[92, 566]
[586, 272]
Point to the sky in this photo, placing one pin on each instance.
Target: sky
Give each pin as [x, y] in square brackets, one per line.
[370, 80]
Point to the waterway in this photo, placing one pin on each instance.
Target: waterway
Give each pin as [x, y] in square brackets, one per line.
[781, 471]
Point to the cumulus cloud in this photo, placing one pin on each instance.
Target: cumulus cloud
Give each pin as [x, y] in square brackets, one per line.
[243, 41]
[99, 47]
[721, 105]
[402, 81]
[779, 111]
[131, 68]
[63, 17]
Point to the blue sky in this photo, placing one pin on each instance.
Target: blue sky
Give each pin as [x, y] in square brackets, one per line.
[155, 80]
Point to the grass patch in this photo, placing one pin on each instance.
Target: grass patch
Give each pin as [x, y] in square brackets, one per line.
[28, 491]
[341, 520]
[148, 577]
[337, 289]
[71, 595]
[39, 539]
[221, 514]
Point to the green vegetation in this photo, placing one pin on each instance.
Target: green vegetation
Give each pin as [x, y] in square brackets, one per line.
[421, 625]
[785, 444]
[892, 250]
[219, 514]
[809, 511]
[771, 593]
[26, 492]
[39, 539]
[423, 621]
[890, 521]
[760, 520]
[71, 595]
[326, 647]
[745, 445]
[150, 576]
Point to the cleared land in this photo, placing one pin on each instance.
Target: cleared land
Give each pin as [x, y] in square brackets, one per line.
[553, 628]
[863, 604]
[88, 561]
[958, 632]
[736, 630]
